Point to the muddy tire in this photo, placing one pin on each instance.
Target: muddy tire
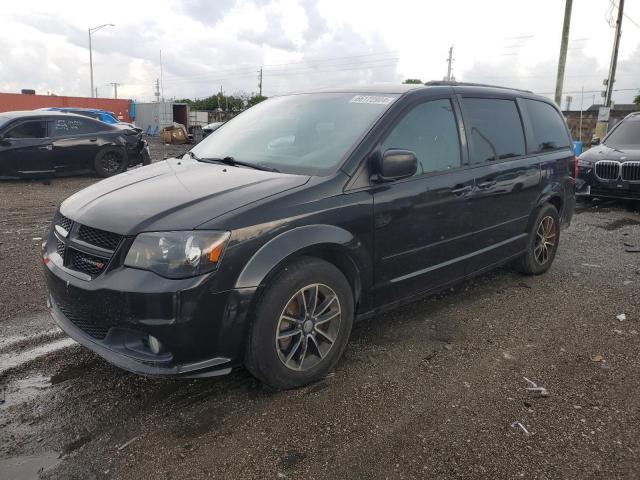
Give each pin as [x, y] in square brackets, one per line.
[110, 161]
[301, 324]
[542, 243]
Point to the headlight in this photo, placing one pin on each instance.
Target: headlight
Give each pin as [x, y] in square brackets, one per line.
[177, 254]
[584, 163]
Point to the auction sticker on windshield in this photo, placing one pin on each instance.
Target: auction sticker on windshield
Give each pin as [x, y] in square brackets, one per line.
[372, 99]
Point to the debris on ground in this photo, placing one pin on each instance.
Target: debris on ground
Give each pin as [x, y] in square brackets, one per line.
[126, 444]
[520, 426]
[622, 317]
[632, 249]
[535, 388]
[597, 358]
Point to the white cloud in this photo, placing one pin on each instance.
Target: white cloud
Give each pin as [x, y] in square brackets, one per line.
[209, 44]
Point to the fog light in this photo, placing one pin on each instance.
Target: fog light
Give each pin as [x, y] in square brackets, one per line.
[154, 345]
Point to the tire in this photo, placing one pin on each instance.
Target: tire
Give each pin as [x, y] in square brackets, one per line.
[109, 162]
[279, 324]
[540, 255]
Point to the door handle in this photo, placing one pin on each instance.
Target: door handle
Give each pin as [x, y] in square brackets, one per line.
[45, 148]
[93, 139]
[459, 189]
[487, 184]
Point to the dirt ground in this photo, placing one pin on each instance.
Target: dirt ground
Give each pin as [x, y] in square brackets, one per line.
[436, 389]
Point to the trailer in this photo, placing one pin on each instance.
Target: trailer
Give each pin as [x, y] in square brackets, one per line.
[153, 117]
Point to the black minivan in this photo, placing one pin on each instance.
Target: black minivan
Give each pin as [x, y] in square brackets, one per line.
[264, 243]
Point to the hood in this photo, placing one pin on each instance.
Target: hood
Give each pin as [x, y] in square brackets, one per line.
[603, 152]
[172, 195]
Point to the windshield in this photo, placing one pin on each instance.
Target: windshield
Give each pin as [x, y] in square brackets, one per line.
[301, 134]
[627, 134]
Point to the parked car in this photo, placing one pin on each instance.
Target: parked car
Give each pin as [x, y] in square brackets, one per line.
[102, 115]
[209, 129]
[40, 143]
[264, 243]
[611, 168]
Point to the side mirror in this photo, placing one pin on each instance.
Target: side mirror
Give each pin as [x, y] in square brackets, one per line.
[395, 164]
[595, 141]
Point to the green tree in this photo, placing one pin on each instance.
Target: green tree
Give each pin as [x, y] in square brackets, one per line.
[637, 100]
[254, 100]
[413, 81]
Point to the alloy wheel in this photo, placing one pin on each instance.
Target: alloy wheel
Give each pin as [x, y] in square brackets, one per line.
[111, 162]
[308, 327]
[545, 240]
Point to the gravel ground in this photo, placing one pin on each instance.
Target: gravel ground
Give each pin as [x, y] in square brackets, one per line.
[433, 389]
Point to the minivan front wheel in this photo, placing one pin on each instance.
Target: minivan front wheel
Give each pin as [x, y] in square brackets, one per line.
[301, 324]
[543, 240]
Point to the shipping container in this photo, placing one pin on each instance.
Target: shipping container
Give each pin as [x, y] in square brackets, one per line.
[18, 101]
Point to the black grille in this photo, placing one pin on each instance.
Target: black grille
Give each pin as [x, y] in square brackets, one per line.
[63, 221]
[608, 169]
[631, 171]
[79, 319]
[83, 262]
[60, 249]
[99, 238]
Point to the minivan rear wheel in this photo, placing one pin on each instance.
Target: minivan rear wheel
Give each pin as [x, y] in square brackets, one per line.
[301, 324]
[542, 243]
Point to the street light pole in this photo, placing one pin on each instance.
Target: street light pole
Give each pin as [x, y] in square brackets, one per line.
[91, 64]
[91, 30]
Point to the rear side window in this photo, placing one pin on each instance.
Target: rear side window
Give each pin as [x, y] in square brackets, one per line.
[33, 129]
[430, 131]
[72, 126]
[494, 129]
[549, 130]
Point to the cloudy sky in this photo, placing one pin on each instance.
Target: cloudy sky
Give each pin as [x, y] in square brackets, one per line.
[304, 44]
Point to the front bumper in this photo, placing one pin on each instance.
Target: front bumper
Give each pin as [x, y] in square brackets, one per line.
[589, 185]
[202, 333]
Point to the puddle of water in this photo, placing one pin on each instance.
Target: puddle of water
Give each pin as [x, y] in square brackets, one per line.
[24, 389]
[27, 467]
[12, 360]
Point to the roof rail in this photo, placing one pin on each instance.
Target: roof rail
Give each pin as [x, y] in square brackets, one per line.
[434, 83]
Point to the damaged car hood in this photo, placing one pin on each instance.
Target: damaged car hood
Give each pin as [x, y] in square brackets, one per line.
[603, 152]
[176, 194]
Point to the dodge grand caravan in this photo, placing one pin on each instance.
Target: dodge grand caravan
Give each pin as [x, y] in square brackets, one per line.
[264, 243]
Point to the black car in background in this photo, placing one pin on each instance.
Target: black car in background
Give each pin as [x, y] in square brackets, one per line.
[44, 143]
[611, 169]
[264, 243]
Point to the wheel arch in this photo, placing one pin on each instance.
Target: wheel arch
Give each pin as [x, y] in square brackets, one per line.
[327, 242]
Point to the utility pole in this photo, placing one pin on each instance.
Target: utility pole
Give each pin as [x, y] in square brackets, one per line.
[563, 50]
[115, 89]
[161, 80]
[91, 30]
[260, 82]
[603, 125]
[614, 55]
[449, 77]
[157, 92]
[91, 64]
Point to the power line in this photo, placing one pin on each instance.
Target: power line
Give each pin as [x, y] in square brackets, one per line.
[308, 62]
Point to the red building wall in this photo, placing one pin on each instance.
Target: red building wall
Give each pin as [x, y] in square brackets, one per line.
[17, 101]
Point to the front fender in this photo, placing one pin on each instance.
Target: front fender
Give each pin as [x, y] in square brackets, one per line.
[276, 250]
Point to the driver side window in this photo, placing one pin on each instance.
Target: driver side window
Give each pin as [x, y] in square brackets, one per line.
[430, 131]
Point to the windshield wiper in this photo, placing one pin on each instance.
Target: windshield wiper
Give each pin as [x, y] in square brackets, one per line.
[232, 162]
